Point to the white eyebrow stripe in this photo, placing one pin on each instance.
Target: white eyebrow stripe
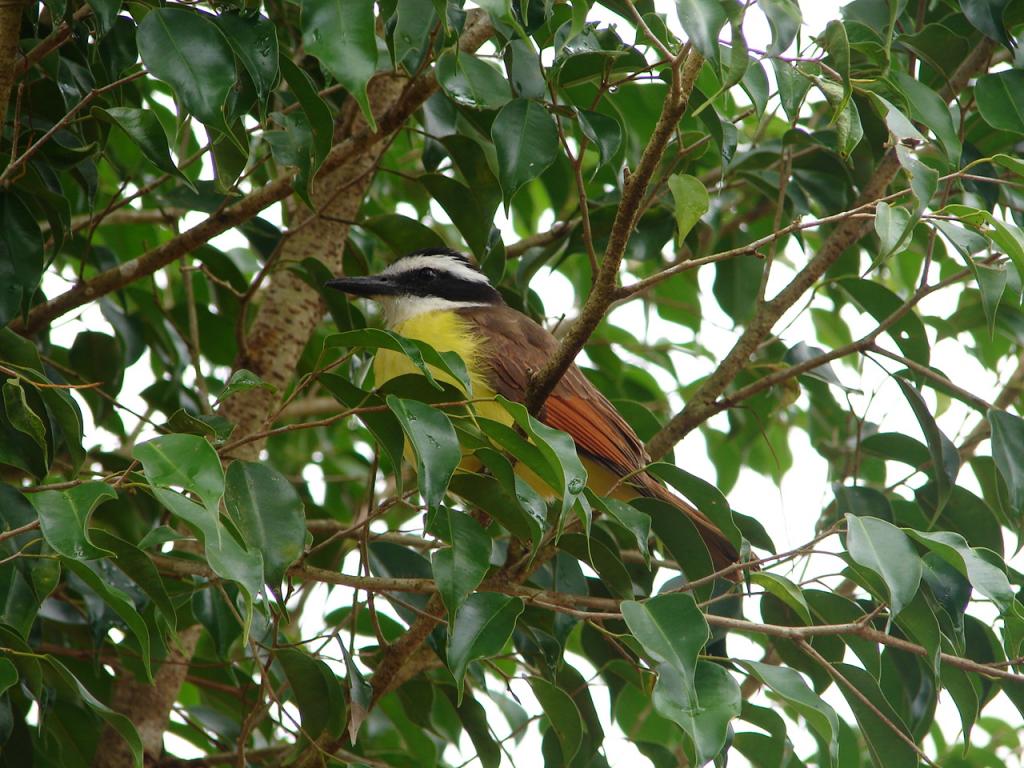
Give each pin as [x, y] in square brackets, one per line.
[446, 264]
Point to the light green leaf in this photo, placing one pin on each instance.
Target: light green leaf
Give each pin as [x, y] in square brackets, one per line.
[64, 518]
[784, 590]
[472, 82]
[703, 710]
[784, 18]
[243, 380]
[885, 549]
[691, 201]
[671, 628]
[820, 716]
[892, 225]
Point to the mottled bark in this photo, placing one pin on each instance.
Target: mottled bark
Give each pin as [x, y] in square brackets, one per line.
[290, 309]
[148, 706]
[10, 24]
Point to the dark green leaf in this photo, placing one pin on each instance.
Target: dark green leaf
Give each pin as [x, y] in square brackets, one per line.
[435, 443]
[1008, 453]
[987, 17]
[145, 130]
[886, 746]
[985, 577]
[526, 142]
[311, 681]
[944, 457]
[563, 715]
[460, 567]
[481, 628]
[185, 49]
[21, 256]
[784, 18]
[254, 41]
[269, 514]
[471, 82]
[702, 20]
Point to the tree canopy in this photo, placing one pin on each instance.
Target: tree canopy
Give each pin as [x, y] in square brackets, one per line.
[211, 548]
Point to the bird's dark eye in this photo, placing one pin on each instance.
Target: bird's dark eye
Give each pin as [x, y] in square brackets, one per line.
[428, 275]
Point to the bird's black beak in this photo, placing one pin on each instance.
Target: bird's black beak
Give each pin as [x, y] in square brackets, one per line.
[369, 286]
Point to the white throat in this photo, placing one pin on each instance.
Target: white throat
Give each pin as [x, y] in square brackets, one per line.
[398, 310]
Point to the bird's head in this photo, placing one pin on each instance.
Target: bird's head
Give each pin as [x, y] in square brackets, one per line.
[424, 281]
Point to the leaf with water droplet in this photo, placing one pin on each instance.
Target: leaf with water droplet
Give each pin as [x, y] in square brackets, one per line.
[433, 441]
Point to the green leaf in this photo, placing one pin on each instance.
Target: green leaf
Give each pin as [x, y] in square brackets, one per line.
[269, 514]
[460, 567]
[563, 715]
[318, 115]
[191, 463]
[671, 628]
[144, 129]
[243, 380]
[835, 42]
[1001, 100]
[886, 747]
[559, 451]
[435, 443]
[21, 256]
[464, 208]
[385, 428]
[1008, 453]
[93, 574]
[186, 50]
[115, 720]
[793, 86]
[472, 82]
[140, 569]
[253, 38]
[602, 559]
[784, 18]
[885, 549]
[945, 459]
[526, 143]
[987, 17]
[820, 716]
[703, 495]
[311, 681]
[21, 416]
[702, 20]
[785, 590]
[845, 116]
[691, 201]
[702, 707]
[481, 628]
[878, 301]
[629, 517]
[435, 366]
[604, 131]
[929, 108]
[8, 675]
[340, 33]
[924, 180]
[360, 693]
[64, 518]
[892, 225]
[985, 577]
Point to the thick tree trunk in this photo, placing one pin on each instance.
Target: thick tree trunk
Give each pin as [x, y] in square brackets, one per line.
[291, 309]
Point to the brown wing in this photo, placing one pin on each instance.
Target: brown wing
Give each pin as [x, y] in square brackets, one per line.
[515, 348]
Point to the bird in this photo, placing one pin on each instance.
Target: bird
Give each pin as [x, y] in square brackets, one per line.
[438, 295]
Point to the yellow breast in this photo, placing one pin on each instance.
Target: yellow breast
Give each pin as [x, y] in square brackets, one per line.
[445, 331]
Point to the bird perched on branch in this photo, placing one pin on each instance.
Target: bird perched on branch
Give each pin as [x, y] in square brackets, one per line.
[439, 296]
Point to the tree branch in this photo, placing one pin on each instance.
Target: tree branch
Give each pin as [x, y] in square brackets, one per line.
[10, 27]
[684, 74]
[701, 404]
